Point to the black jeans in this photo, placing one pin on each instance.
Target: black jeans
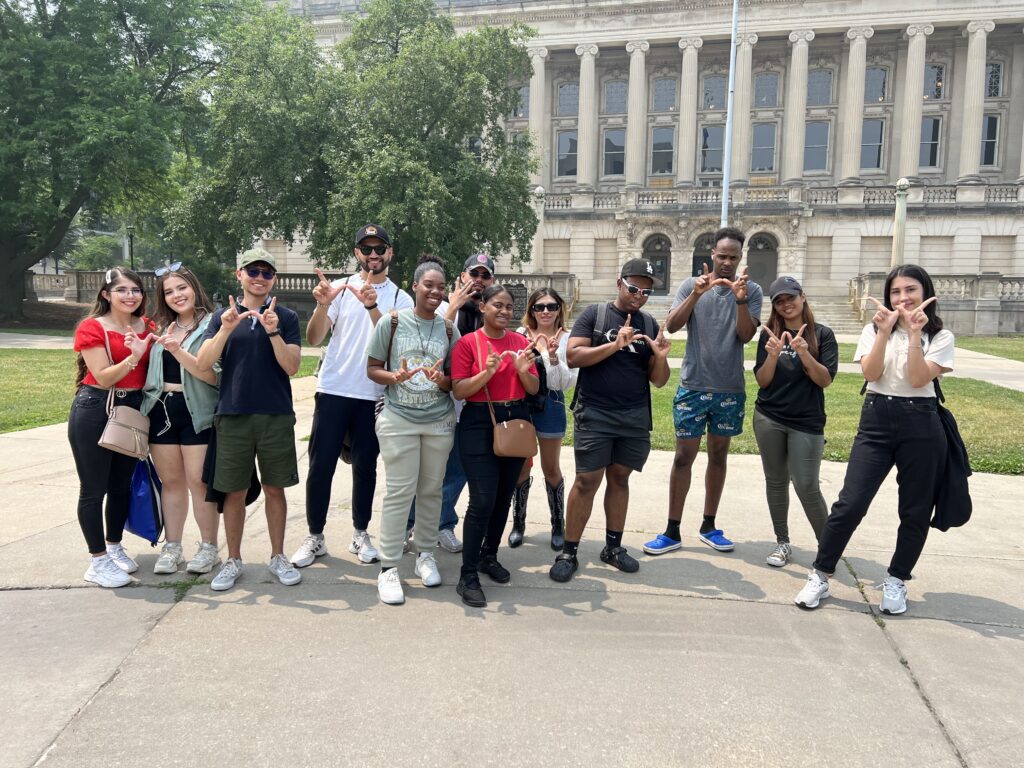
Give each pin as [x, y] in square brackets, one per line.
[903, 431]
[332, 417]
[101, 473]
[492, 481]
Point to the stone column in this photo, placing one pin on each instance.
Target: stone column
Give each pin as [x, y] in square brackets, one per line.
[853, 112]
[796, 109]
[636, 115]
[913, 95]
[538, 100]
[741, 128]
[974, 103]
[689, 89]
[586, 124]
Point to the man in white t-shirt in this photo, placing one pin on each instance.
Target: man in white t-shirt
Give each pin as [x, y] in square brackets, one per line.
[349, 309]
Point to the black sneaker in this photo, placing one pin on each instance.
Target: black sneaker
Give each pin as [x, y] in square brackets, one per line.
[489, 564]
[470, 592]
[620, 559]
[565, 566]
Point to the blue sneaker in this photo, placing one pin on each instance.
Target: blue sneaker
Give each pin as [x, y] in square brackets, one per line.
[716, 540]
[661, 545]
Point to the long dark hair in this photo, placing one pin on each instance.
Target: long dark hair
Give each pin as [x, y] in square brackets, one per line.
[778, 326]
[163, 315]
[913, 271]
[530, 321]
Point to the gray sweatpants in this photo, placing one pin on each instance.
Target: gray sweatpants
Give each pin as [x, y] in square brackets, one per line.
[787, 454]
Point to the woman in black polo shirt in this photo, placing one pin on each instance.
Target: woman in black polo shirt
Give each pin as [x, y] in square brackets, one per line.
[796, 359]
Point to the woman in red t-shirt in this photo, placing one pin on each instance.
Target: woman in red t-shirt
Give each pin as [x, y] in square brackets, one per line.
[493, 364]
[116, 318]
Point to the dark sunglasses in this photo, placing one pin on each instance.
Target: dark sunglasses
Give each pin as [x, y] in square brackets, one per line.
[634, 289]
[366, 250]
[161, 271]
[553, 307]
[268, 274]
[480, 274]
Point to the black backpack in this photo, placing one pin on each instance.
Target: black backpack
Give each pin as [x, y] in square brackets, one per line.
[953, 505]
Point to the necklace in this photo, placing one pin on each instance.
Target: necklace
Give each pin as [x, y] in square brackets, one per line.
[423, 344]
[186, 329]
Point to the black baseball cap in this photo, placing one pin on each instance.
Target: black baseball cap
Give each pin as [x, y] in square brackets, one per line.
[373, 230]
[784, 286]
[640, 268]
[478, 260]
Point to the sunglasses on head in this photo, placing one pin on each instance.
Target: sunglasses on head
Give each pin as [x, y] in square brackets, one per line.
[633, 289]
[266, 274]
[161, 271]
[366, 250]
[552, 307]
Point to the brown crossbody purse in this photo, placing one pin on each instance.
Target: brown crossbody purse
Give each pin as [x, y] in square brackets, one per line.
[127, 429]
[514, 438]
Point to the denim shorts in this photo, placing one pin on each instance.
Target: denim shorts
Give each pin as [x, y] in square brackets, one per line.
[550, 423]
[720, 413]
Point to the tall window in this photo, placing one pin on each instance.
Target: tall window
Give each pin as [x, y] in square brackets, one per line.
[712, 139]
[816, 145]
[664, 94]
[662, 141]
[614, 152]
[819, 87]
[930, 132]
[615, 97]
[766, 89]
[566, 164]
[871, 143]
[934, 81]
[522, 109]
[568, 99]
[876, 80]
[993, 80]
[762, 153]
[990, 140]
[715, 87]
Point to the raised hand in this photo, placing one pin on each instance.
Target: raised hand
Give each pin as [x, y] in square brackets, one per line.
[626, 334]
[367, 294]
[269, 319]
[798, 343]
[137, 345]
[525, 359]
[231, 317]
[324, 293]
[403, 373]
[884, 319]
[168, 340]
[915, 319]
[660, 346]
[493, 361]
[434, 372]
[462, 293]
[703, 283]
[542, 345]
[737, 286]
[774, 345]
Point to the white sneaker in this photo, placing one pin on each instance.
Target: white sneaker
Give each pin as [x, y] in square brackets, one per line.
[205, 559]
[814, 591]
[121, 558]
[228, 575]
[426, 569]
[309, 550]
[170, 558]
[448, 541]
[104, 572]
[362, 547]
[780, 555]
[894, 596]
[286, 573]
[389, 587]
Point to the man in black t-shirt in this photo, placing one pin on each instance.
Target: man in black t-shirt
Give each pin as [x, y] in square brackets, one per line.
[620, 351]
[259, 347]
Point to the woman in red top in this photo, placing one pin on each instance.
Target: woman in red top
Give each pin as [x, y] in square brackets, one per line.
[116, 317]
[493, 364]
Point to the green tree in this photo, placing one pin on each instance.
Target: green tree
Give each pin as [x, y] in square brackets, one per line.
[314, 141]
[95, 97]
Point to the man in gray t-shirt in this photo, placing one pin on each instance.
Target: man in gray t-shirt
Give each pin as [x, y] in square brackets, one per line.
[720, 311]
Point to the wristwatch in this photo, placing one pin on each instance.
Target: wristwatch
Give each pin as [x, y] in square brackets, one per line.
[741, 301]
[371, 307]
[275, 332]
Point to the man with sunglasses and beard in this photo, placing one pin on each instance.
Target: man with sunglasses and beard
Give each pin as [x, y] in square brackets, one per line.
[348, 309]
[721, 311]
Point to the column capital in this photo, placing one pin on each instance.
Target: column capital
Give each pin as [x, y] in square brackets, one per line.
[690, 42]
[853, 33]
[537, 53]
[979, 26]
[918, 29]
[587, 49]
[801, 36]
[746, 38]
[637, 46]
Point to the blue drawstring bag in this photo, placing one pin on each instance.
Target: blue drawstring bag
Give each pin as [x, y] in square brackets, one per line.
[145, 515]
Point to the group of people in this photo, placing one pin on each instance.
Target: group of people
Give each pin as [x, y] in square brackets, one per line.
[423, 380]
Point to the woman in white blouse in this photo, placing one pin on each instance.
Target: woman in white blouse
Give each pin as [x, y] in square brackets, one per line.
[901, 352]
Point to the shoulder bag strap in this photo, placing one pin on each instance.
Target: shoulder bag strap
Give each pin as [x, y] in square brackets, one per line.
[391, 340]
[490, 407]
[110, 358]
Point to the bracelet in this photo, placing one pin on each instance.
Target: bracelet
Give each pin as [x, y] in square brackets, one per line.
[742, 301]
[273, 333]
[371, 307]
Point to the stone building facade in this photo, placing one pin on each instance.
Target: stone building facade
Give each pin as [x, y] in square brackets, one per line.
[834, 102]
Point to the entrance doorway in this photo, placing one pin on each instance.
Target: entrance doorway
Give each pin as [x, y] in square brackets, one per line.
[658, 250]
[702, 253]
[763, 259]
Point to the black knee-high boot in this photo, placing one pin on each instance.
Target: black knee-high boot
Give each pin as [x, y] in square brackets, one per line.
[519, 499]
[556, 503]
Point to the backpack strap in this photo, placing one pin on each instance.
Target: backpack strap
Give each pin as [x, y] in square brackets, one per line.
[391, 340]
[600, 325]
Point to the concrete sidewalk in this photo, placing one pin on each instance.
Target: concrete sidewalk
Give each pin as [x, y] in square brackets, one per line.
[699, 659]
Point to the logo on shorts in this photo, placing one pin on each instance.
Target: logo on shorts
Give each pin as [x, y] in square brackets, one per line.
[707, 396]
[728, 402]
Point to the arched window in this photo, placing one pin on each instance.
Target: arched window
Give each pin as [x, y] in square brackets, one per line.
[763, 259]
[658, 250]
[702, 248]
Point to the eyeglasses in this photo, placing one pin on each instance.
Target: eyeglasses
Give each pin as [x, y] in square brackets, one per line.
[553, 307]
[267, 274]
[161, 271]
[122, 291]
[633, 289]
[480, 274]
[366, 250]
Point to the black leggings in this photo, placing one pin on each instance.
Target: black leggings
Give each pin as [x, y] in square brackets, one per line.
[100, 472]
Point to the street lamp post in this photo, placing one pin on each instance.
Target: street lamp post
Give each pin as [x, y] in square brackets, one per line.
[131, 246]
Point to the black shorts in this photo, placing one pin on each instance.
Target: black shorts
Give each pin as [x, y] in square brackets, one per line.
[602, 438]
[170, 423]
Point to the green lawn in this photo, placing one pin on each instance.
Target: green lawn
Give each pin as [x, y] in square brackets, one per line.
[37, 387]
[1011, 347]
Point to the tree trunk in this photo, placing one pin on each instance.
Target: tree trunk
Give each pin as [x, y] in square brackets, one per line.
[12, 286]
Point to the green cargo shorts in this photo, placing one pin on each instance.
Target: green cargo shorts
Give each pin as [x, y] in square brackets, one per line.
[244, 439]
